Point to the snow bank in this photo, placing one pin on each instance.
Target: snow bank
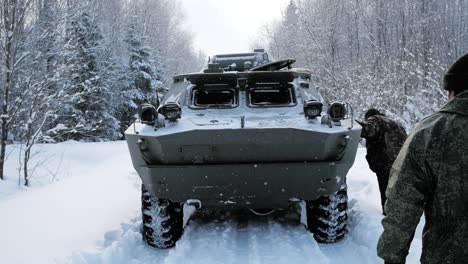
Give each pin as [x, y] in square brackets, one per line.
[96, 192]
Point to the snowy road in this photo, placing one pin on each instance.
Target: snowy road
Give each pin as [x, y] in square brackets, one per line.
[92, 216]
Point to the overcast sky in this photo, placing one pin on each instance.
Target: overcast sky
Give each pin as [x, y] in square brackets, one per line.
[226, 26]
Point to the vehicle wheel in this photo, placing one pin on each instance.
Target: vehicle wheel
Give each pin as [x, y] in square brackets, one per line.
[162, 220]
[327, 217]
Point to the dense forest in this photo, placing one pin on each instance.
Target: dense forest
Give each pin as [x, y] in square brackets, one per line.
[387, 54]
[77, 70]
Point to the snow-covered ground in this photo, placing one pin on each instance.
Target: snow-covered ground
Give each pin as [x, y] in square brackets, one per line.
[83, 208]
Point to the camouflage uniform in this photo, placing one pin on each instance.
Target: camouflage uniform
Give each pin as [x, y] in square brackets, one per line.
[430, 175]
[384, 139]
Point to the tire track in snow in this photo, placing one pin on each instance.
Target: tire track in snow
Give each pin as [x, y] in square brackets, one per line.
[238, 238]
[244, 238]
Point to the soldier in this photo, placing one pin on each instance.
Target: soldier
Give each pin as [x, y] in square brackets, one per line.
[384, 139]
[430, 175]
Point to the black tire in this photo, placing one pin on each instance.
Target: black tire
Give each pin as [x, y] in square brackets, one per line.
[162, 221]
[327, 217]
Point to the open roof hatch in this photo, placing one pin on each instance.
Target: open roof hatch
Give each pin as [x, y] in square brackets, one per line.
[275, 66]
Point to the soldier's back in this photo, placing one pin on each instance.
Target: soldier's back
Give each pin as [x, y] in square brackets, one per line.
[395, 136]
[445, 137]
[383, 148]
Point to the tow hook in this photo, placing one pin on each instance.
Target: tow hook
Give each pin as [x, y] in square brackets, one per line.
[195, 203]
[262, 212]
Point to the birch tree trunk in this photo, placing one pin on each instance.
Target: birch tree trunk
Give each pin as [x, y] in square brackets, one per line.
[13, 13]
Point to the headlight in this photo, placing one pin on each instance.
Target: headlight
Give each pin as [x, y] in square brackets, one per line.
[171, 111]
[148, 114]
[312, 109]
[337, 111]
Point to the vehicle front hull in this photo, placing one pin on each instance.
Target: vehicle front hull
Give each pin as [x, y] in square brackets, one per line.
[174, 170]
[265, 185]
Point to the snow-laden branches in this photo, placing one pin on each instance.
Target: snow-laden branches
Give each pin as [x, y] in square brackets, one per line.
[69, 72]
[389, 54]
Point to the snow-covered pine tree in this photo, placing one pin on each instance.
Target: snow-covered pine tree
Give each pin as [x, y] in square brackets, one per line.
[85, 112]
[289, 26]
[141, 83]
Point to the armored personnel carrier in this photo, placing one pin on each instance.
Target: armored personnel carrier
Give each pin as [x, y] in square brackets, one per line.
[243, 134]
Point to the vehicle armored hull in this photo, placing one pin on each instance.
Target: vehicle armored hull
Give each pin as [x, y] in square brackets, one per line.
[243, 167]
[244, 134]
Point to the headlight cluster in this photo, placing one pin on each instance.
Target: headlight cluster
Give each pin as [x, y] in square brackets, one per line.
[171, 111]
[313, 109]
[337, 112]
[148, 114]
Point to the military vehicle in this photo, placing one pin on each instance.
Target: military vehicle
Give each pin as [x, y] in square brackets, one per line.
[244, 133]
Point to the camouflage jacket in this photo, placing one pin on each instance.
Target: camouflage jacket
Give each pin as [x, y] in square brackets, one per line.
[384, 139]
[430, 175]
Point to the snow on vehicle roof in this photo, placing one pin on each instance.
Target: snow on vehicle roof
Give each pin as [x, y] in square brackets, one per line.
[219, 119]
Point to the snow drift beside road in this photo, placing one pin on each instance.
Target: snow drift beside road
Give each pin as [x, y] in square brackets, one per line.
[96, 191]
[92, 216]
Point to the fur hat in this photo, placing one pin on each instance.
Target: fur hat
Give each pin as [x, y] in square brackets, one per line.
[371, 112]
[456, 78]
